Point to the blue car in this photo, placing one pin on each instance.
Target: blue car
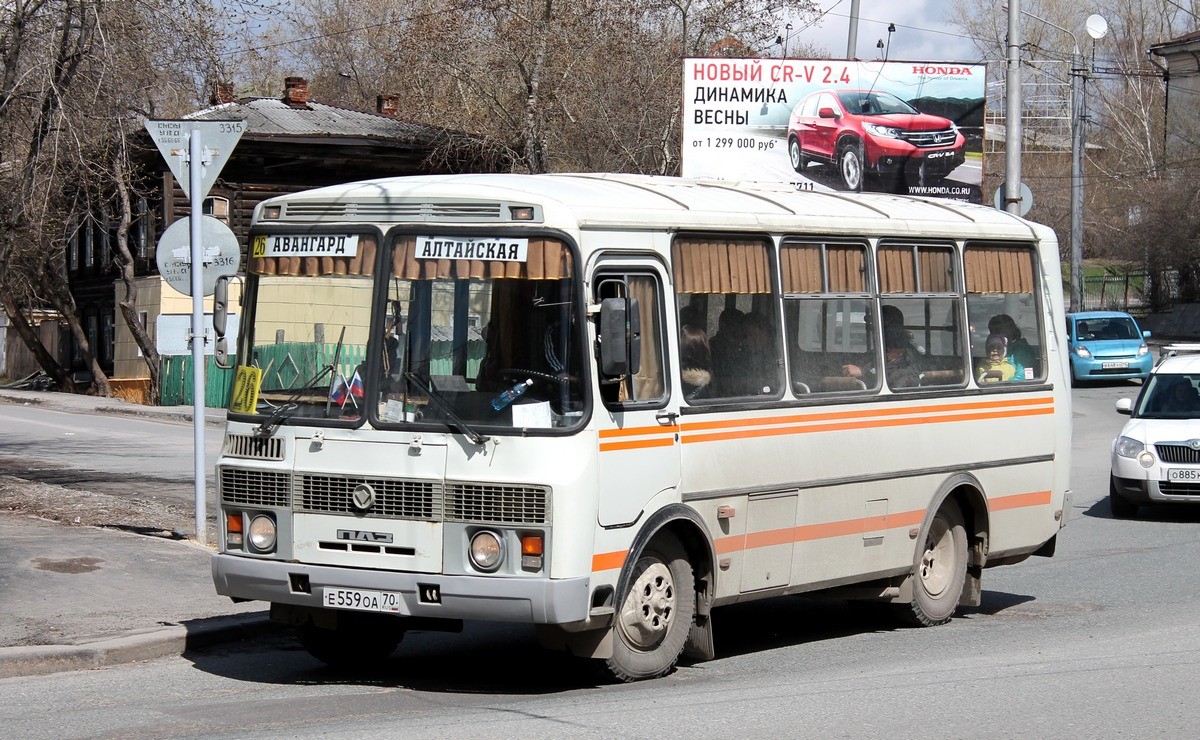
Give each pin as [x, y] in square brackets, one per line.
[1107, 345]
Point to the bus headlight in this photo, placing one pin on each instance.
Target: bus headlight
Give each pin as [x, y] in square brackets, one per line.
[487, 550]
[262, 533]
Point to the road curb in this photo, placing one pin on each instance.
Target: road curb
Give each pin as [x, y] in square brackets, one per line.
[176, 639]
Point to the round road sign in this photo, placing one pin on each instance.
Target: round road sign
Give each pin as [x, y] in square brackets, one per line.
[219, 251]
[1026, 198]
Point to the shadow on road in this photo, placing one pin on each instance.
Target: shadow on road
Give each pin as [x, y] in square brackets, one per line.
[504, 659]
[1182, 513]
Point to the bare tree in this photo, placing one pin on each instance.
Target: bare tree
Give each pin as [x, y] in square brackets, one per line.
[79, 78]
[587, 84]
[1140, 205]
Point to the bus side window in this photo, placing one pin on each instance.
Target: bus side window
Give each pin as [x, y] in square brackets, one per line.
[919, 288]
[1002, 302]
[724, 289]
[828, 316]
[647, 385]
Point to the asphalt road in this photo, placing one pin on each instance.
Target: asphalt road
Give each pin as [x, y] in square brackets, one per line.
[1099, 641]
[103, 453]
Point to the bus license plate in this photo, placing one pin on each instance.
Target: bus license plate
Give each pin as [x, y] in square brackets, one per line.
[363, 601]
[1187, 474]
[1114, 365]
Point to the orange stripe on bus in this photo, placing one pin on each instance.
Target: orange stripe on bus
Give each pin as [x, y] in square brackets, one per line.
[864, 414]
[827, 530]
[609, 560]
[638, 431]
[869, 424]
[1020, 500]
[635, 444]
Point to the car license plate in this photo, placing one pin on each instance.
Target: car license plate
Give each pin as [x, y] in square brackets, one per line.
[1186, 474]
[1114, 365]
[363, 601]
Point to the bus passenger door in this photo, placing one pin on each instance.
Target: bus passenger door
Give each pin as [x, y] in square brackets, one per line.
[638, 427]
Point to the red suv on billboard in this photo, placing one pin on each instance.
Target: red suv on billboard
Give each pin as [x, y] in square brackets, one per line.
[871, 132]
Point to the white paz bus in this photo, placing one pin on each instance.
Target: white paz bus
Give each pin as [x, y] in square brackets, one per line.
[606, 405]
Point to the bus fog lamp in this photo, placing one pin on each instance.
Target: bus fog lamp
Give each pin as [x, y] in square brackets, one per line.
[1146, 460]
[531, 551]
[262, 533]
[487, 550]
[233, 529]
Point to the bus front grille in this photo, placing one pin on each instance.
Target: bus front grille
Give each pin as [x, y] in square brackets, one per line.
[498, 504]
[389, 497]
[253, 447]
[255, 487]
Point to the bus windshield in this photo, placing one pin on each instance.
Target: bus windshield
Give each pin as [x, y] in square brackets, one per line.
[462, 344]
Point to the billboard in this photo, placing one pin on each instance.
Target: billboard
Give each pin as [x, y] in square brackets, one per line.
[822, 124]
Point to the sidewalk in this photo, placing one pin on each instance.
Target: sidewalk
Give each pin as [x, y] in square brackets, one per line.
[84, 597]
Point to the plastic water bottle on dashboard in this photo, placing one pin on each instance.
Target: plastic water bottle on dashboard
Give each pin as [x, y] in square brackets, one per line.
[511, 394]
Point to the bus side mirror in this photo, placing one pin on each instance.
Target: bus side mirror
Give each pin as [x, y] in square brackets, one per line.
[220, 317]
[620, 337]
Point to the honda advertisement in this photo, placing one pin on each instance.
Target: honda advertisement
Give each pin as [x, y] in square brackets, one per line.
[822, 124]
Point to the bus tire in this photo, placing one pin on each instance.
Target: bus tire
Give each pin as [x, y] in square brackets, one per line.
[655, 614]
[357, 640]
[940, 570]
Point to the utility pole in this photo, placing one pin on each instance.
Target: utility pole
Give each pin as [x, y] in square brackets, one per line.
[852, 38]
[1012, 112]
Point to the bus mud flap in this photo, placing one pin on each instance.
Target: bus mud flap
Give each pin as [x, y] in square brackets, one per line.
[699, 645]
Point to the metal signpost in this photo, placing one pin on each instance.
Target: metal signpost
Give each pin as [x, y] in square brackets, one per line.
[182, 145]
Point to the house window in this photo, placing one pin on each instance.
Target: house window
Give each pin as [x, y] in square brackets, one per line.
[89, 257]
[106, 241]
[106, 344]
[93, 327]
[143, 229]
[73, 247]
[217, 207]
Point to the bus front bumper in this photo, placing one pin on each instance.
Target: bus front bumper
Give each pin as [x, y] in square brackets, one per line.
[531, 600]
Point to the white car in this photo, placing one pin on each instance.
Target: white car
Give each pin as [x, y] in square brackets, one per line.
[1156, 458]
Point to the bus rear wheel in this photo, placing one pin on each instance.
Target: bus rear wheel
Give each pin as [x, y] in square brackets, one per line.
[357, 640]
[655, 613]
[940, 570]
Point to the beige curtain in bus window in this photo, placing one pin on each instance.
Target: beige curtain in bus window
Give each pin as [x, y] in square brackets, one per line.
[648, 382]
[845, 266]
[721, 266]
[999, 269]
[898, 271]
[362, 263]
[547, 259]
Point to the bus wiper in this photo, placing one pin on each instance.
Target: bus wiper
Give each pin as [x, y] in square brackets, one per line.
[447, 407]
[268, 425]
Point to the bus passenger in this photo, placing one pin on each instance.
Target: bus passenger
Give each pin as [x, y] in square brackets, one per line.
[695, 362]
[1019, 349]
[899, 360]
[998, 366]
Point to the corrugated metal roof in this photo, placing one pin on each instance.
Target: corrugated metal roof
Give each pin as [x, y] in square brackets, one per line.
[271, 117]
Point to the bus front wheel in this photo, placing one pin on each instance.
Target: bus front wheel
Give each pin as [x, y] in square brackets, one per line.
[357, 640]
[940, 569]
[655, 613]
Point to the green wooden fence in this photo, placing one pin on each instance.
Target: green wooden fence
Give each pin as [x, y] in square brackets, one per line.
[286, 365]
[176, 382]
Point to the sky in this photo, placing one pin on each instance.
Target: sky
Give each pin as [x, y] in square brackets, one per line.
[921, 31]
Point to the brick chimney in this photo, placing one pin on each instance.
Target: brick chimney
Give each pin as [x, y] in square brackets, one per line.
[387, 105]
[222, 93]
[295, 92]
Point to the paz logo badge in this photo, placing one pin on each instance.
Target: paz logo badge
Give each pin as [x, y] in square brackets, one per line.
[364, 497]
